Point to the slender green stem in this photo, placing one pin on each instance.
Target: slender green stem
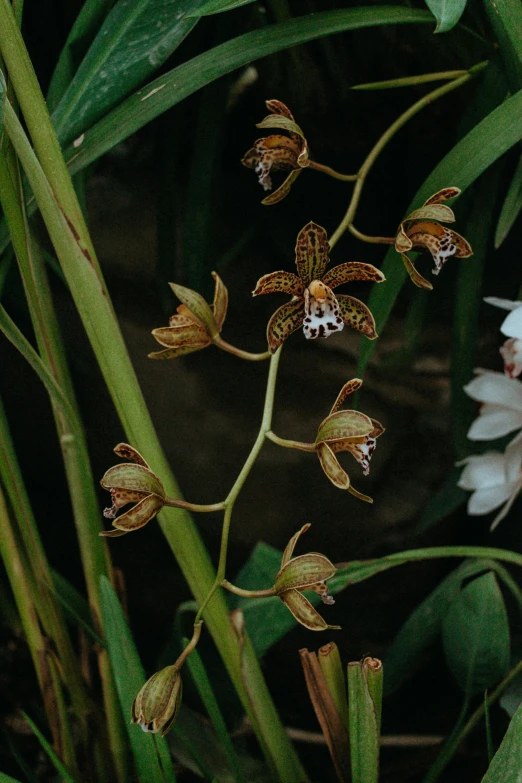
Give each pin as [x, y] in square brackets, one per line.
[198, 507]
[290, 444]
[371, 240]
[458, 737]
[266, 423]
[386, 138]
[331, 172]
[409, 81]
[191, 645]
[251, 357]
[442, 759]
[247, 593]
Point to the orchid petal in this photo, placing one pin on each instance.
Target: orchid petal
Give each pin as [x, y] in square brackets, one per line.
[304, 612]
[497, 389]
[402, 241]
[513, 455]
[289, 549]
[321, 311]
[331, 467]
[415, 276]
[512, 325]
[220, 306]
[359, 495]
[278, 107]
[125, 451]
[515, 489]
[173, 353]
[349, 388]
[443, 195]
[353, 270]
[279, 282]
[133, 477]
[357, 315]
[433, 212]
[197, 305]
[487, 499]
[311, 253]
[284, 322]
[180, 336]
[344, 425]
[504, 304]
[283, 190]
[303, 572]
[495, 424]
[483, 471]
[140, 514]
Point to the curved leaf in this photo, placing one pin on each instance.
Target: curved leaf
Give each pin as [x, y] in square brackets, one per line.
[506, 19]
[511, 207]
[173, 87]
[134, 40]
[481, 147]
[505, 766]
[475, 633]
[217, 7]
[446, 12]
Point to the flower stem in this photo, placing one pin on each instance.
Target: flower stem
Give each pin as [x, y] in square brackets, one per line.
[365, 169]
[312, 164]
[371, 240]
[190, 646]
[251, 357]
[247, 593]
[266, 423]
[197, 507]
[290, 444]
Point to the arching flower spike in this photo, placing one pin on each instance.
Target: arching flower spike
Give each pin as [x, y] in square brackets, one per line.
[314, 306]
[351, 431]
[195, 325]
[305, 572]
[132, 483]
[422, 231]
[278, 152]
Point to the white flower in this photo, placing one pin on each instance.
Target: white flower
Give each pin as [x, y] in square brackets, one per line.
[511, 351]
[501, 412]
[495, 480]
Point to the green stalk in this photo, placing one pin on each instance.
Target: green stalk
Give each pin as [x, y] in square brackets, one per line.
[74, 250]
[381, 144]
[74, 449]
[25, 592]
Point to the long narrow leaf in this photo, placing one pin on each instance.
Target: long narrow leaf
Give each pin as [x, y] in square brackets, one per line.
[506, 19]
[446, 12]
[60, 768]
[505, 767]
[135, 39]
[511, 207]
[217, 7]
[130, 677]
[173, 87]
[481, 147]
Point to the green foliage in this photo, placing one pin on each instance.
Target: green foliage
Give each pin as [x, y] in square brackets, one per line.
[505, 767]
[511, 207]
[446, 12]
[209, 7]
[475, 632]
[60, 768]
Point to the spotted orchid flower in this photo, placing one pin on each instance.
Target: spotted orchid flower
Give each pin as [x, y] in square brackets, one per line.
[422, 231]
[132, 483]
[277, 151]
[305, 572]
[347, 430]
[195, 325]
[314, 306]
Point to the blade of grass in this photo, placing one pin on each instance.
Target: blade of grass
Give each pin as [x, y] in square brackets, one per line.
[130, 677]
[511, 207]
[60, 768]
[217, 7]
[505, 17]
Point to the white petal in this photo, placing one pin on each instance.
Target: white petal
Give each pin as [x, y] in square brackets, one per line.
[483, 470]
[322, 317]
[511, 353]
[496, 388]
[512, 325]
[504, 304]
[513, 459]
[485, 500]
[494, 424]
[516, 487]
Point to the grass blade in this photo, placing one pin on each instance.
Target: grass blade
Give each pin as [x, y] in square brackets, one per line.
[511, 207]
[217, 7]
[173, 87]
[364, 706]
[506, 20]
[60, 768]
[505, 767]
[151, 762]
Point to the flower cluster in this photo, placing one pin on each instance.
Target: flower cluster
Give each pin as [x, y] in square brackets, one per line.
[495, 478]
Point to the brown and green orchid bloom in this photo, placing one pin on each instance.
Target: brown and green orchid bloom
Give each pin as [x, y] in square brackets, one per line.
[305, 572]
[278, 152]
[351, 431]
[314, 306]
[157, 704]
[135, 483]
[422, 231]
[196, 323]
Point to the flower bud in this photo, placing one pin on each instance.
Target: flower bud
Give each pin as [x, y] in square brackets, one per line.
[157, 704]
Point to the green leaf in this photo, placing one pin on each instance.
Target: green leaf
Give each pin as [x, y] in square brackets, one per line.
[505, 767]
[364, 724]
[511, 699]
[447, 500]
[423, 626]
[475, 634]
[446, 12]
[217, 7]
[173, 87]
[82, 32]
[511, 207]
[3, 90]
[468, 159]
[150, 752]
[7, 778]
[75, 605]
[135, 39]
[60, 768]
[506, 19]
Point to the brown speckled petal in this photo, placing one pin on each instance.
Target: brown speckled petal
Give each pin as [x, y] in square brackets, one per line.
[125, 451]
[178, 336]
[289, 549]
[113, 533]
[284, 321]
[433, 212]
[331, 467]
[311, 253]
[278, 107]
[304, 612]
[359, 495]
[279, 282]
[440, 241]
[402, 242]
[353, 270]
[443, 195]
[357, 315]
[173, 353]
[220, 305]
[283, 190]
[349, 388]
[416, 278]
[140, 514]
